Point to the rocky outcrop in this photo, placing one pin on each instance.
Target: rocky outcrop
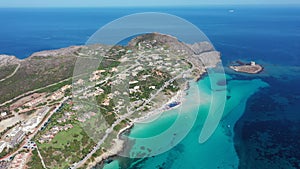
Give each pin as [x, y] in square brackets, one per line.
[201, 53]
[6, 60]
[210, 59]
[157, 39]
[58, 52]
[201, 47]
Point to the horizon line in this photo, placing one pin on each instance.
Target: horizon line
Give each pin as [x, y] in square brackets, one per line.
[157, 6]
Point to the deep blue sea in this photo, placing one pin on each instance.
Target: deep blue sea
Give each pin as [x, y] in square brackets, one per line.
[268, 33]
[267, 133]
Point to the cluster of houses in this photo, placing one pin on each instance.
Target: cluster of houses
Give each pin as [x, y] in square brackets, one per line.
[14, 137]
[28, 101]
[47, 137]
[35, 102]
[66, 116]
[60, 93]
[55, 96]
[96, 75]
[84, 116]
[19, 161]
[96, 92]
[106, 101]
[4, 164]
[32, 102]
[147, 44]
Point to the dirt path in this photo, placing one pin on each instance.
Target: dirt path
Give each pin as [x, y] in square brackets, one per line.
[13, 73]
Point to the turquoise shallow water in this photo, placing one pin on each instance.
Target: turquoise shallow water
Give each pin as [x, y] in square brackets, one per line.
[217, 152]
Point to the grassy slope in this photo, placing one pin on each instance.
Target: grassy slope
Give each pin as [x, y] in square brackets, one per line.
[7, 70]
[36, 73]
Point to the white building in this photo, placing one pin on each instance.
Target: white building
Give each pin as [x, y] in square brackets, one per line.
[3, 114]
[152, 87]
[133, 82]
[14, 131]
[3, 145]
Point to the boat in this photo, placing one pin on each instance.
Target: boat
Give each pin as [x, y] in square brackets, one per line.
[173, 104]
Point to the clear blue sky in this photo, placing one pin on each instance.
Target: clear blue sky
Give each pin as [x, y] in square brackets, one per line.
[111, 3]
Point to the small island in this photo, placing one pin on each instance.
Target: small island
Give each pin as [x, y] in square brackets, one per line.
[251, 68]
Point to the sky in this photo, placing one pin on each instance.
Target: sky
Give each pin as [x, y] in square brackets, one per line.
[126, 3]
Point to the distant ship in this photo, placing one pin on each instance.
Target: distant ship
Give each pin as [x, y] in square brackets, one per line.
[231, 10]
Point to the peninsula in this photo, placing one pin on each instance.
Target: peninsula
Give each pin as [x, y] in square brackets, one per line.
[47, 117]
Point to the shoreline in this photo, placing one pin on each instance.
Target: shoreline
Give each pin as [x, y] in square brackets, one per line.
[117, 147]
[150, 116]
[120, 144]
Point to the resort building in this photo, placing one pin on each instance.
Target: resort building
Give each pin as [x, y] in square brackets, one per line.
[30, 125]
[35, 102]
[13, 132]
[17, 138]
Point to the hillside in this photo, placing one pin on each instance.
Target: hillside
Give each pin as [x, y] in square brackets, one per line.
[48, 67]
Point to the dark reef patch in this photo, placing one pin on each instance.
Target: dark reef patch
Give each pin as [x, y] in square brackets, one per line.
[267, 135]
